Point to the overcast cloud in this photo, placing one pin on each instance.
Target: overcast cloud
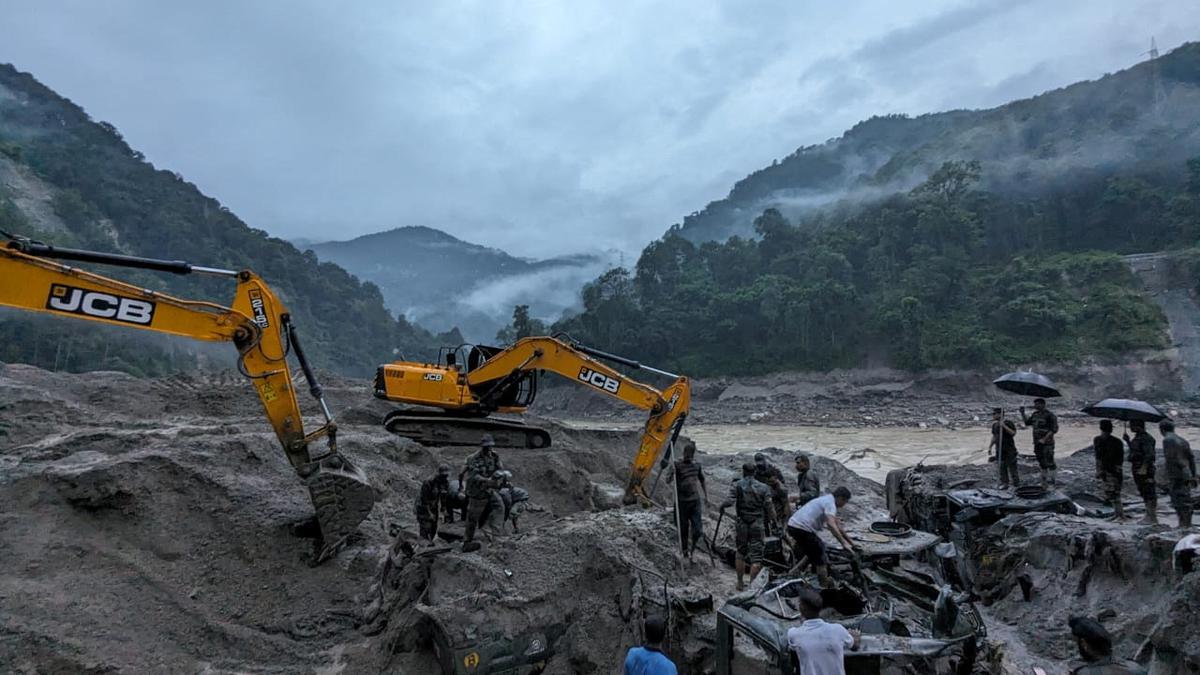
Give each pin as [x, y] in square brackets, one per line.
[537, 127]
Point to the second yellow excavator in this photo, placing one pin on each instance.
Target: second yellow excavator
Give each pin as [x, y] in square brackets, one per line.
[470, 382]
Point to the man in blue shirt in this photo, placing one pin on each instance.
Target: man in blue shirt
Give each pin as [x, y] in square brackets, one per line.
[650, 660]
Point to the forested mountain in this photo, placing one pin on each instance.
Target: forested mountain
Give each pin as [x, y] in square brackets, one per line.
[75, 182]
[443, 282]
[1006, 252]
[1143, 118]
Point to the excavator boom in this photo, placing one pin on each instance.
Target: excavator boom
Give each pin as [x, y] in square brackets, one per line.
[257, 324]
[504, 380]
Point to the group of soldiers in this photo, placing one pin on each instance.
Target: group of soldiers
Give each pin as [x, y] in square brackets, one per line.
[485, 497]
[761, 508]
[1179, 463]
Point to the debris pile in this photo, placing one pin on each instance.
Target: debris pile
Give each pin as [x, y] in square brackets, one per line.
[1033, 563]
[154, 526]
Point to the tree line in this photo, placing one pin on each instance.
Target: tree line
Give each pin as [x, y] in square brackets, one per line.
[946, 274]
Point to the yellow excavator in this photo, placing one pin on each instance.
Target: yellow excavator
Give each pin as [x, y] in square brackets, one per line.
[257, 324]
[470, 382]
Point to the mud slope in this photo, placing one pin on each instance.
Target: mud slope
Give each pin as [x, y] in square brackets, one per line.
[149, 524]
[143, 533]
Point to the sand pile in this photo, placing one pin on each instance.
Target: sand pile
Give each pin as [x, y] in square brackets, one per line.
[155, 526]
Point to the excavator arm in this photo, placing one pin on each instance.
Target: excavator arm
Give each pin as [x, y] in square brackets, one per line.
[257, 324]
[668, 407]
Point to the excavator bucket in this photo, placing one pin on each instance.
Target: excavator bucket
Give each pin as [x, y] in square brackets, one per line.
[342, 498]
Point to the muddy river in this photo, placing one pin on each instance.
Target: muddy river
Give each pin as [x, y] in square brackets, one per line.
[872, 451]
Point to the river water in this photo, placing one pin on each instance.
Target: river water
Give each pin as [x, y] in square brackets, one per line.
[872, 451]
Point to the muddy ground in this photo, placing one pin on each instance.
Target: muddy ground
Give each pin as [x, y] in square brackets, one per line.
[152, 526]
[1120, 571]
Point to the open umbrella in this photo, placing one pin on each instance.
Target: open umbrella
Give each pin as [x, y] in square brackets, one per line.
[1126, 410]
[1027, 384]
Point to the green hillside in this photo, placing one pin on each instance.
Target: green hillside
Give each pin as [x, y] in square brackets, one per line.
[958, 239]
[1097, 128]
[75, 182]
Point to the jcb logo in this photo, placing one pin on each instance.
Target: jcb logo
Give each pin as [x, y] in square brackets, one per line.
[599, 380]
[433, 377]
[673, 401]
[258, 306]
[100, 305]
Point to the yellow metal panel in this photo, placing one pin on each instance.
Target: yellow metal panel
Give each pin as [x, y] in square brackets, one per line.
[45, 286]
[265, 362]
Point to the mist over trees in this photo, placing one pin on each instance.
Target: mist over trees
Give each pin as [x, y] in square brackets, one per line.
[946, 274]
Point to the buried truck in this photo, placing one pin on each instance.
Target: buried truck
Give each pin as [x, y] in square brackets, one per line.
[894, 593]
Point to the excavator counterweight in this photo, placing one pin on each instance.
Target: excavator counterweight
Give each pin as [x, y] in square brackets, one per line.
[258, 325]
[459, 394]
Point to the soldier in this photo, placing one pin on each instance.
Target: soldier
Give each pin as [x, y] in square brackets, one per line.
[770, 475]
[482, 498]
[806, 479]
[688, 494]
[1181, 471]
[516, 500]
[429, 501]
[1110, 458]
[754, 510]
[1141, 459]
[1095, 647]
[1045, 426]
[1006, 455]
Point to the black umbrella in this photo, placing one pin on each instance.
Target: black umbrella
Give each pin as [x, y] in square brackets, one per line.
[1126, 410]
[1027, 384]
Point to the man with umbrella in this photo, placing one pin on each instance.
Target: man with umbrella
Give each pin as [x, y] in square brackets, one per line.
[1004, 438]
[1141, 460]
[1045, 426]
[1110, 458]
[1141, 446]
[1044, 423]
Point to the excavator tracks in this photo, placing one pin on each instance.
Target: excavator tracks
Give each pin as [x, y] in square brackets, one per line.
[431, 428]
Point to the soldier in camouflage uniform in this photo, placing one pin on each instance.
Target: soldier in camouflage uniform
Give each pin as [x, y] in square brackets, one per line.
[768, 474]
[1045, 426]
[1181, 471]
[1110, 460]
[1004, 439]
[1141, 460]
[430, 500]
[806, 480]
[1095, 646]
[754, 510]
[689, 492]
[482, 498]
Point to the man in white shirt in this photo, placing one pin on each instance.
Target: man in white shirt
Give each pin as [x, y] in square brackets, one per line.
[805, 525]
[819, 646]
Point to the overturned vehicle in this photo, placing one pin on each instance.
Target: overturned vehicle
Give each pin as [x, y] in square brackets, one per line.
[894, 594]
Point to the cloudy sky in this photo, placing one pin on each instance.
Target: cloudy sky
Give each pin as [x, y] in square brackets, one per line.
[538, 127]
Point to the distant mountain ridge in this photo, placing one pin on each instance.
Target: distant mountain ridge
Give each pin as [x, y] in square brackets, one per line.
[443, 282]
[1111, 124]
[957, 239]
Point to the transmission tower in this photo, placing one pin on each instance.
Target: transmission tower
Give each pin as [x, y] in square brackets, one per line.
[1159, 94]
